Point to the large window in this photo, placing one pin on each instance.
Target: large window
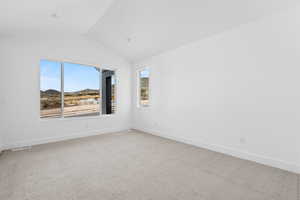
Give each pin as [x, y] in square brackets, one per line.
[143, 87]
[75, 90]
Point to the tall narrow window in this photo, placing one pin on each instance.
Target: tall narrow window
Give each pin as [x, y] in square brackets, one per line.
[75, 90]
[143, 92]
[50, 89]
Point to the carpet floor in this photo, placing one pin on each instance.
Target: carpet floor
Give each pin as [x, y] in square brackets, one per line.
[137, 166]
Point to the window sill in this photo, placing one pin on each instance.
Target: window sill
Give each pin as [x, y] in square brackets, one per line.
[143, 106]
[75, 118]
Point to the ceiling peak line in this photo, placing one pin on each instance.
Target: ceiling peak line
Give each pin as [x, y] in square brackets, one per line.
[108, 7]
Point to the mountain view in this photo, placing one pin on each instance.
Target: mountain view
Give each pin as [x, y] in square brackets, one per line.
[77, 102]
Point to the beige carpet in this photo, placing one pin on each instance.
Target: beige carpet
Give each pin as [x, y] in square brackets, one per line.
[137, 166]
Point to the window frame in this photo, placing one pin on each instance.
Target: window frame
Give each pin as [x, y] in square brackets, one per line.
[138, 84]
[62, 90]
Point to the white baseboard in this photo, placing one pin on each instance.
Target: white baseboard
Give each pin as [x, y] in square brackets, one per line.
[33, 142]
[229, 151]
[218, 148]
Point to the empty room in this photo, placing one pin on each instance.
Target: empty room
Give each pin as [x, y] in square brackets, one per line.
[150, 100]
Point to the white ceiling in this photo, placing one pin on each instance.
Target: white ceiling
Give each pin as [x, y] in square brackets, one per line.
[50, 16]
[154, 26]
[135, 29]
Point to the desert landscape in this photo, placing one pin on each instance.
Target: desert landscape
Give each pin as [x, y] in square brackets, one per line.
[144, 91]
[79, 103]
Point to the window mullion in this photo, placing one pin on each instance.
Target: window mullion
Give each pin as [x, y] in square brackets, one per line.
[62, 89]
[100, 92]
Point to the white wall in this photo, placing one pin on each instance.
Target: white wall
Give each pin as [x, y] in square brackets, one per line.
[237, 92]
[19, 117]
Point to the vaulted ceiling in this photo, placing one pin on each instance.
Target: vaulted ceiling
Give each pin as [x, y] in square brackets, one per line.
[135, 29]
[50, 16]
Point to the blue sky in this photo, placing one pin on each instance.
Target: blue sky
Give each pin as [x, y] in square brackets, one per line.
[77, 77]
[144, 73]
